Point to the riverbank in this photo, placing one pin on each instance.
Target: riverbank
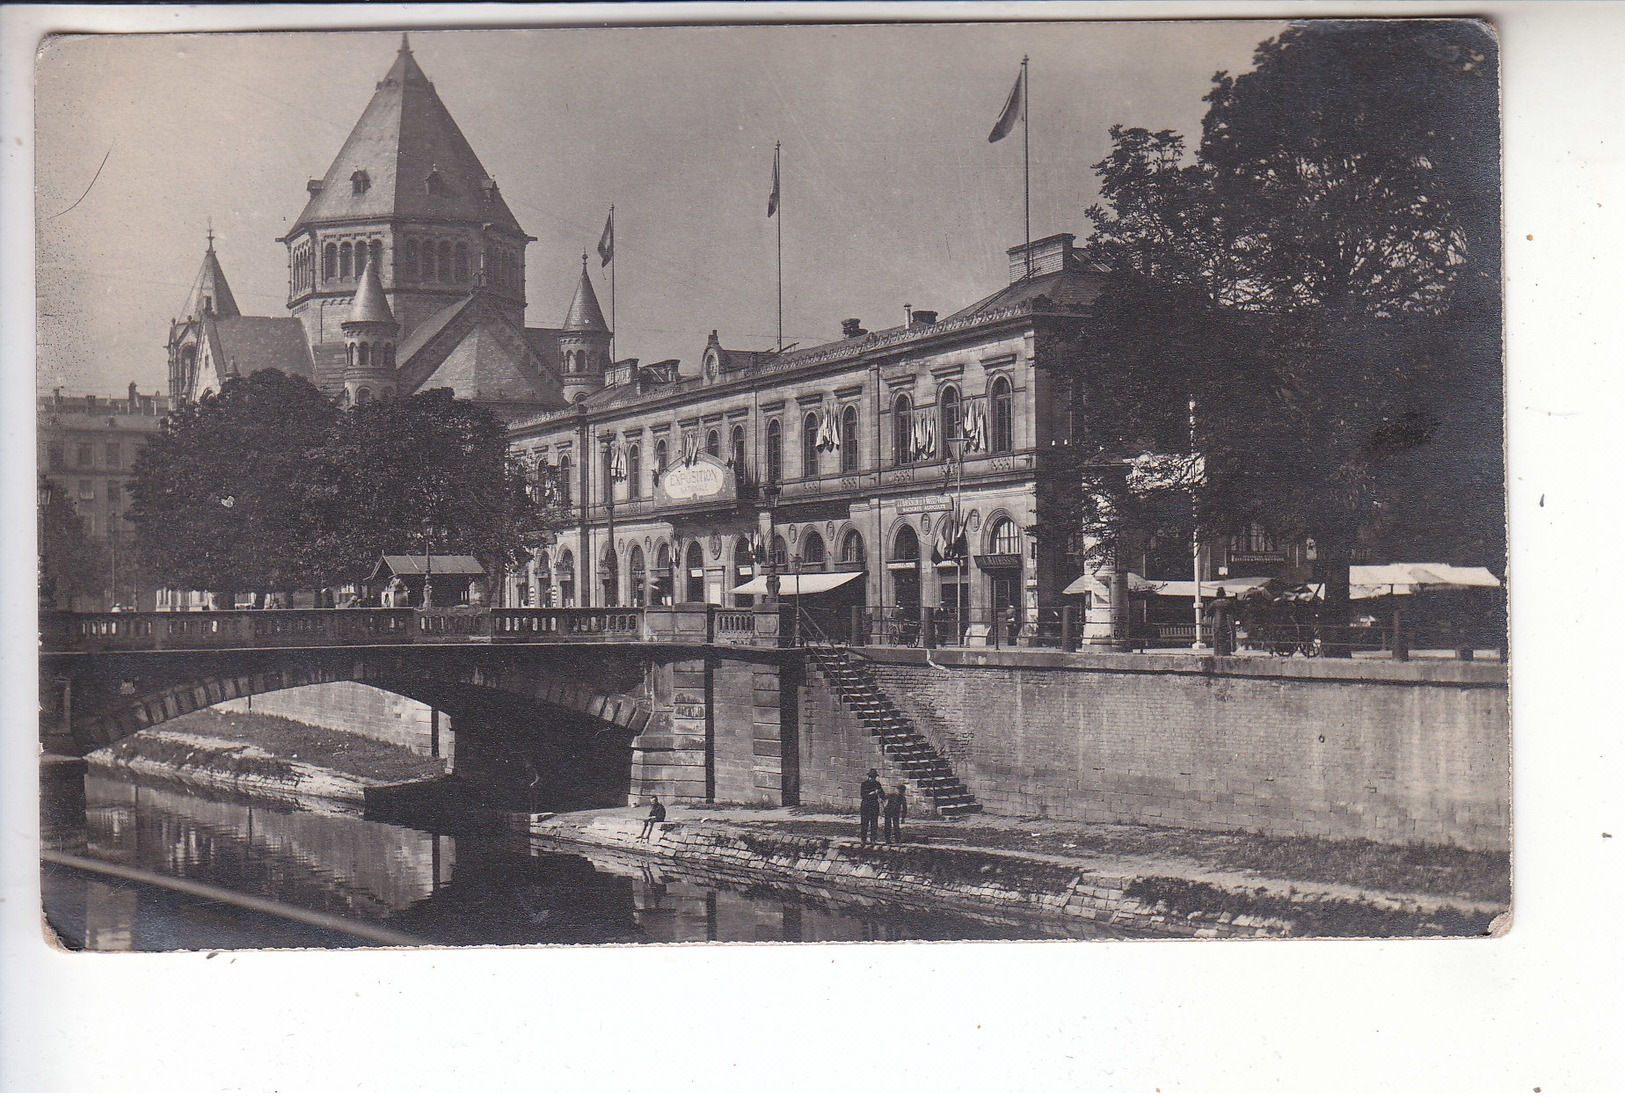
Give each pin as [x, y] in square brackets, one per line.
[1114, 881]
[269, 757]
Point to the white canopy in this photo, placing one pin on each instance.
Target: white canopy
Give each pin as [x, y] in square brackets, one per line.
[1185, 588]
[792, 585]
[1365, 581]
[1096, 584]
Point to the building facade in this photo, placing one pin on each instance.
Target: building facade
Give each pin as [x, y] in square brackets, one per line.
[87, 447]
[895, 469]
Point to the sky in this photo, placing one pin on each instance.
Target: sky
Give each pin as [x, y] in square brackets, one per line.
[892, 194]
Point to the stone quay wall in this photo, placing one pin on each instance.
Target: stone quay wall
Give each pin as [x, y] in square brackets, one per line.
[1414, 752]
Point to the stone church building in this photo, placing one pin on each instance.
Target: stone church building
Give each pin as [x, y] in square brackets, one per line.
[406, 271]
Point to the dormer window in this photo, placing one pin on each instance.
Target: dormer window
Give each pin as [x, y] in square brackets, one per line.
[434, 184]
[359, 182]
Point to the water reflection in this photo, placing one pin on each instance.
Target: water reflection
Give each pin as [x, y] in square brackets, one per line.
[479, 888]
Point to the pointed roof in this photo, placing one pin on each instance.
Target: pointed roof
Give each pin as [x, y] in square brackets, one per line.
[585, 314]
[210, 286]
[407, 159]
[370, 307]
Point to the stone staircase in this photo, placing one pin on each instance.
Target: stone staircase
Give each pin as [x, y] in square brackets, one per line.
[902, 744]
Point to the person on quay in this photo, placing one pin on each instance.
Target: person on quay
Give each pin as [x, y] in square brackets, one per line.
[870, 795]
[896, 811]
[657, 814]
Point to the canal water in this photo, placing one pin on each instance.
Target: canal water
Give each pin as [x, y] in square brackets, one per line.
[478, 886]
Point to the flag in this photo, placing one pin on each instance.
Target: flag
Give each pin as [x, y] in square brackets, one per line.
[606, 242]
[1011, 111]
[617, 461]
[773, 199]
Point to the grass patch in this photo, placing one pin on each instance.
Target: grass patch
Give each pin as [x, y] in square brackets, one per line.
[1320, 918]
[287, 741]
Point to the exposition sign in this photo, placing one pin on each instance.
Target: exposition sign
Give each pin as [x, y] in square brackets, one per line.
[704, 480]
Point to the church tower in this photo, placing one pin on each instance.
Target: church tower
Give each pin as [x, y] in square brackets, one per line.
[369, 343]
[209, 299]
[583, 342]
[407, 196]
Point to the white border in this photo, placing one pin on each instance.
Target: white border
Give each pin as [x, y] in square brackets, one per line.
[1538, 1008]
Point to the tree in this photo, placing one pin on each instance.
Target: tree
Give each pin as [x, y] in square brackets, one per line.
[1322, 280]
[215, 497]
[424, 473]
[71, 563]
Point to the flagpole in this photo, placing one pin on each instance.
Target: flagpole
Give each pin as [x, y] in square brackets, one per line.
[778, 189]
[612, 266]
[1026, 165]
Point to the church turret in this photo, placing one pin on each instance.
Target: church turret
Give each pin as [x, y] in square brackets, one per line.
[584, 341]
[210, 299]
[370, 332]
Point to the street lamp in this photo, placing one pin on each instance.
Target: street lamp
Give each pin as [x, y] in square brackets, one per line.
[795, 624]
[428, 567]
[770, 495]
[47, 586]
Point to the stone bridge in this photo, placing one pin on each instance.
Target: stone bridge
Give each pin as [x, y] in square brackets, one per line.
[692, 701]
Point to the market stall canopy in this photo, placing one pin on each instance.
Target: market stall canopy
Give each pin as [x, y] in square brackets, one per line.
[1185, 588]
[792, 585]
[1096, 584]
[417, 565]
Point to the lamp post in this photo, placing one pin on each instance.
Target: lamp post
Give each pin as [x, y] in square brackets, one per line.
[428, 567]
[795, 624]
[47, 585]
[770, 496]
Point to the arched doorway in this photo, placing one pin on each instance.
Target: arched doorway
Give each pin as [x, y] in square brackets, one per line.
[566, 573]
[904, 571]
[694, 573]
[744, 569]
[661, 594]
[636, 577]
[1002, 566]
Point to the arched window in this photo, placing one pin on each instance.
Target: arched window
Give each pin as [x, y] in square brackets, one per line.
[566, 573]
[565, 486]
[1003, 419]
[809, 445]
[713, 443]
[636, 578]
[634, 473]
[330, 262]
[375, 252]
[346, 257]
[738, 449]
[363, 355]
[906, 545]
[349, 354]
[1004, 539]
[462, 262]
[812, 552]
[410, 261]
[389, 355]
[902, 437]
[951, 426]
[609, 577]
[363, 395]
[780, 553]
[775, 451]
[849, 439]
[694, 574]
[443, 268]
[852, 552]
[359, 182]
[661, 453]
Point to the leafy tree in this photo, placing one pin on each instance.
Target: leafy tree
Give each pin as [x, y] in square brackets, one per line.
[428, 472]
[214, 495]
[71, 562]
[1323, 280]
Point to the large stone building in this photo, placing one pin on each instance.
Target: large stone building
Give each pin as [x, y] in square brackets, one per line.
[406, 271]
[87, 447]
[895, 468]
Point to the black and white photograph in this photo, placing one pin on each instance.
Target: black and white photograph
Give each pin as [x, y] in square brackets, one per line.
[772, 484]
[914, 548]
